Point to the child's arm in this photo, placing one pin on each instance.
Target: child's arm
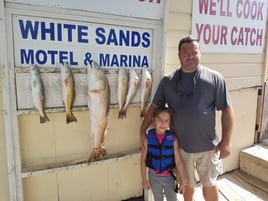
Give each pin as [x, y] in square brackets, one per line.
[145, 182]
[180, 167]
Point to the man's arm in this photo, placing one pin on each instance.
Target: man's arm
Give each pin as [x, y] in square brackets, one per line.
[146, 122]
[227, 122]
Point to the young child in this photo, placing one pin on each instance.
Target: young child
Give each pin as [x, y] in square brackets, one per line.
[161, 154]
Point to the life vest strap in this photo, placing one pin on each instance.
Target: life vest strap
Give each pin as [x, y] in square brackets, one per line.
[162, 157]
[160, 146]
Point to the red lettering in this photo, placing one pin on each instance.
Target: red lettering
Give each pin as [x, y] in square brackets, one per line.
[225, 11]
[217, 34]
[259, 37]
[247, 30]
[240, 38]
[203, 5]
[151, 1]
[260, 11]
[246, 36]
[252, 40]
[212, 10]
[233, 38]
[249, 10]
[254, 10]
[207, 5]
[199, 30]
[223, 35]
[246, 9]
[238, 11]
[206, 34]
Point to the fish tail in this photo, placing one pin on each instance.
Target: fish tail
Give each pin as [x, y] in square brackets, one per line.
[122, 114]
[70, 117]
[44, 118]
[97, 153]
[142, 113]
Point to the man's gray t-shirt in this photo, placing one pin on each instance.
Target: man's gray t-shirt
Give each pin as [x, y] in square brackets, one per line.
[194, 98]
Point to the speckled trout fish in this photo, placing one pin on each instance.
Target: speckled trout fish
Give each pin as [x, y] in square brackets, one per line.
[146, 84]
[38, 94]
[122, 89]
[99, 108]
[68, 91]
[134, 81]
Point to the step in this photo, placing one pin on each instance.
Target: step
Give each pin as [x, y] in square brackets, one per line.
[251, 180]
[254, 161]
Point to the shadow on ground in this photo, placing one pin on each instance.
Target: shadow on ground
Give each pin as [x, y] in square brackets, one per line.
[135, 199]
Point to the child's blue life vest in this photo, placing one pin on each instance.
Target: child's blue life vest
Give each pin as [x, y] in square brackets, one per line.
[160, 157]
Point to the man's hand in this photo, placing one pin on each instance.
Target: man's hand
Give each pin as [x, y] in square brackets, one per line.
[224, 148]
[227, 121]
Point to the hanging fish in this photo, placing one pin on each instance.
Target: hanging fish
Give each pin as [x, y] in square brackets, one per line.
[132, 91]
[99, 107]
[68, 91]
[146, 84]
[38, 94]
[122, 89]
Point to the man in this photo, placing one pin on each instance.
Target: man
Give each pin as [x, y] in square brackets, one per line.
[194, 93]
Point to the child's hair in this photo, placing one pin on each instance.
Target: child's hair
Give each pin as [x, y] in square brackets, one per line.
[158, 110]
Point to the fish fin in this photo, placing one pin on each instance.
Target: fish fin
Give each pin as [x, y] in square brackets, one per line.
[97, 153]
[70, 117]
[44, 119]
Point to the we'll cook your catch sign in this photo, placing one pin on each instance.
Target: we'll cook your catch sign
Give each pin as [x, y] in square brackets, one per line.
[236, 26]
[49, 42]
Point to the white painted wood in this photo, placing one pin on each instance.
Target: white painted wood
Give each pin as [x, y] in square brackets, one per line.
[132, 8]
[61, 167]
[11, 123]
[264, 117]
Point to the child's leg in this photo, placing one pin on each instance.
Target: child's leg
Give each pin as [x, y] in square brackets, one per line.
[169, 188]
[156, 186]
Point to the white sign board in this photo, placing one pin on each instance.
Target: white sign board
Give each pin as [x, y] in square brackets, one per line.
[146, 9]
[49, 42]
[232, 26]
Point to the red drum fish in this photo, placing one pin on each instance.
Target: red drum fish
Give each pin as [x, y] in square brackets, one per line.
[122, 89]
[68, 91]
[132, 91]
[146, 84]
[99, 107]
[38, 94]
